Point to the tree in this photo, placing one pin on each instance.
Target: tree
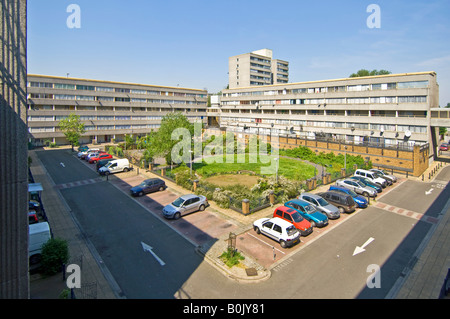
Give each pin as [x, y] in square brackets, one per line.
[162, 144]
[72, 128]
[364, 72]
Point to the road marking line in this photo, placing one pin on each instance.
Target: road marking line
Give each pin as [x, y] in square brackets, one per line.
[407, 213]
[266, 243]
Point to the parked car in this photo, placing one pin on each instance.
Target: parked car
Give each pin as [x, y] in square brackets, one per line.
[360, 201]
[357, 187]
[372, 176]
[368, 183]
[148, 186]
[32, 217]
[309, 212]
[278, 229]
[91, 155]
[100, 156]
[38, 235]
[115, 166]
[444, 147]
[184, 205]
[344, 202]
[83, 154]
[321, 205]
[102, 163]
[385, 175]
[34, 205]
[83, 148]
[294, 217]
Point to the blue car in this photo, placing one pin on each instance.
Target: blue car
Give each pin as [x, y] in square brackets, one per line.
[368, 183]
[361, 201]
[309, 212]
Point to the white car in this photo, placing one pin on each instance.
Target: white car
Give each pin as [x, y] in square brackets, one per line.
[385, 175]
[278, 229]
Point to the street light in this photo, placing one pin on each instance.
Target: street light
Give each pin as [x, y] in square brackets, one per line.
[190, 157]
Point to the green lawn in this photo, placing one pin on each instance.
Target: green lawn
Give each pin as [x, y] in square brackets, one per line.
[289, 168]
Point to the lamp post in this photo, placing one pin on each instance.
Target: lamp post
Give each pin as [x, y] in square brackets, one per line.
[276, 169]
[190, 157]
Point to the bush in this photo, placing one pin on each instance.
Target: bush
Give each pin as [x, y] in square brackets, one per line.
[55, 252]
[231, 257]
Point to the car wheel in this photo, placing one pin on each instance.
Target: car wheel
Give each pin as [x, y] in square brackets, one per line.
[177, 215]
[366, 194]
[282, 244]
[161, 188]
[141, 193]
[35, 259]
[257, 230]
[125, 169]
[313, 224]
[106, 173]
[202, 207]
[341, 210]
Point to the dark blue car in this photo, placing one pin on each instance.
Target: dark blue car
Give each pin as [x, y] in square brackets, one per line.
[361, 201]
[309, 212]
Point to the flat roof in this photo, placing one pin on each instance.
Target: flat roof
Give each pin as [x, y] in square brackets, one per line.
[433, 73]
[111, 82]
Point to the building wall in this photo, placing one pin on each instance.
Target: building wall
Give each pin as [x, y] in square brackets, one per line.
[14, 279]
[108, 109]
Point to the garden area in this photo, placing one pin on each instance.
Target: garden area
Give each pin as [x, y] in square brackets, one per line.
[243, 173]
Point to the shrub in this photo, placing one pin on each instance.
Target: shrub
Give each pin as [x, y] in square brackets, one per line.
[55, 252]
[231, 257]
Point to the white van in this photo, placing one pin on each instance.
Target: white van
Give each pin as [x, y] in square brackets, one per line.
[38, 235]
[115, 166]
[373, 176]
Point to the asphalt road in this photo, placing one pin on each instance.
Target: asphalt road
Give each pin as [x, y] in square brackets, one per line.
[390, 232]
[117, 225]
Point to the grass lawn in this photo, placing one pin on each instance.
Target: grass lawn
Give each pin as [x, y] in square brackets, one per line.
[289, 168]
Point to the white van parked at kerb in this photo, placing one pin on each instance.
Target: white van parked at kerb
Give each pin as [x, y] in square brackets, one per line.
[39, 234]
[115, 166]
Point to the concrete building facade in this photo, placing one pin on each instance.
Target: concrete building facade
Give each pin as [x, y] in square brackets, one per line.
[255, 69]
[14, 278]
[389, 111]
[108, 109]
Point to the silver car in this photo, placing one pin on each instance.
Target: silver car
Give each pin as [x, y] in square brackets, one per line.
[385, 175]
[184, 205]
[321, 205]
[357, 186]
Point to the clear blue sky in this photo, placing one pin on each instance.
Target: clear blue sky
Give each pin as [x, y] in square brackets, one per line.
[187, 43]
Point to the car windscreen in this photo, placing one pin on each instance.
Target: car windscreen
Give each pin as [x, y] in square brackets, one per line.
[351, 193]
[309, 209]
[322, 202]
[296, 217]
[178, 202]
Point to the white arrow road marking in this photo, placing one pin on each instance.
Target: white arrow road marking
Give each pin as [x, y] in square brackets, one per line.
[149, 249]
[429, 192]
[361, 249]
[62, 164]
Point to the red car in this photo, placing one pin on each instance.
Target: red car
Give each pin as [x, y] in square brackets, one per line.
[294, 217]
[443, 147]
[99, 157]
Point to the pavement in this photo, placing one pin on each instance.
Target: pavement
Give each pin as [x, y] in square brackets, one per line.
[423, 281]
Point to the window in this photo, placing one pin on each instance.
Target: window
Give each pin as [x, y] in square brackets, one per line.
[40, 85]
[64, 86]
[85, 87]
[412, 85]
[104, 89]
[277, 228]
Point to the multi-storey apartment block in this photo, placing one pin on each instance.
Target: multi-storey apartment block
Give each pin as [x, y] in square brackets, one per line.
[256, 68]
[385, 111]
[108, 109]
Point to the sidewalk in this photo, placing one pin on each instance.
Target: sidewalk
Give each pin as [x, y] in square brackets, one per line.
[432, 259]
[63, 226]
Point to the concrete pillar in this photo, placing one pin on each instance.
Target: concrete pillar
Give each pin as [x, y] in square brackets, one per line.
[271, 197]
[195, 184]
[245, 206]
[14, 279]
